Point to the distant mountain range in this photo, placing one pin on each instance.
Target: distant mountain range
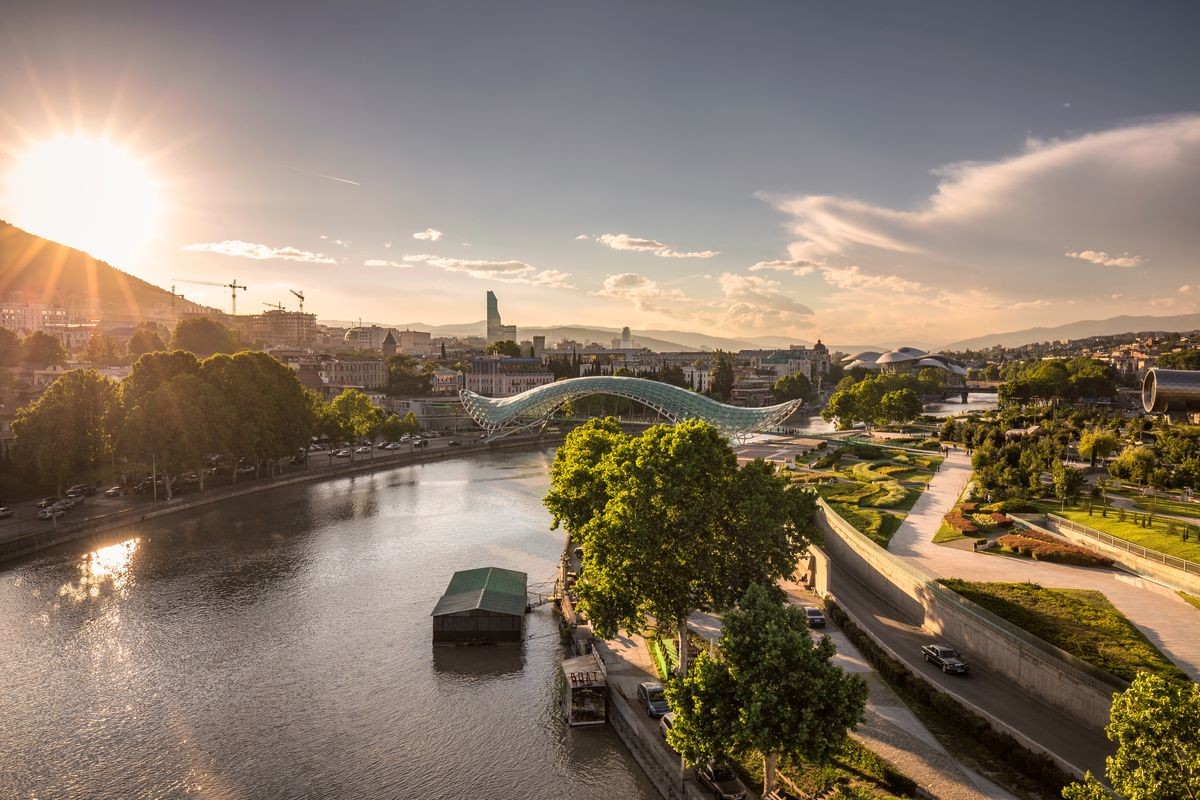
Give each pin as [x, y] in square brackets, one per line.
[660, 341]
[1080, 330]
[37, 270]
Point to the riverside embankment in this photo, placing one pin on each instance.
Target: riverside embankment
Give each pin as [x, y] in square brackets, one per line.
[21, 538]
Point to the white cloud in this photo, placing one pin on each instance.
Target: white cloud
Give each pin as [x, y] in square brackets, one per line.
[758, 302]
[428, 235]
[645, 294]
[388, 245]
[379, 262]
[744, 301]
[1003, 226]
[258, 252]
[1104, 259]
[623, 241]
[1187, 288]
[792, 265]
[583, 237]
[501, 271]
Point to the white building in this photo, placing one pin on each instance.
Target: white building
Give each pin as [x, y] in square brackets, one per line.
[500, 376]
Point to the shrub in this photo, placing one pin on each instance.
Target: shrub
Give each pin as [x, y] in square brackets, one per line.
[970, 508]
[1056, 552]
[1000, 520]
[868, 451]
[956, 520]
[930, 444]
[889, 494]
[1011, 506]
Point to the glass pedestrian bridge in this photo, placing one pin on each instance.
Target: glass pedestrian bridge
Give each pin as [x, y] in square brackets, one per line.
[532, 409]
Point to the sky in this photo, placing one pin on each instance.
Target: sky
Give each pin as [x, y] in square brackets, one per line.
[864, 173]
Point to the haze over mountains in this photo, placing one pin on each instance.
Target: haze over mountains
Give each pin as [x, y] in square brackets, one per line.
[1080, 330]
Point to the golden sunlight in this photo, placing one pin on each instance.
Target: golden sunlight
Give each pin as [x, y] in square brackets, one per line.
[86, 193]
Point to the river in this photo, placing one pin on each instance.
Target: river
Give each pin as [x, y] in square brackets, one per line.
[278, 646]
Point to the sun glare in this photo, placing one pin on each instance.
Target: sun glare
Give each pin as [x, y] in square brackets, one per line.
[86, 193]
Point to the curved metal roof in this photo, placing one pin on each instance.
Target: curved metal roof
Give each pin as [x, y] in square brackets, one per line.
[503, 415]
[897, 356]
[865, 355]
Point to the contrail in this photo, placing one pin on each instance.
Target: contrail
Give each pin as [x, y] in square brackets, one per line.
[327, 177]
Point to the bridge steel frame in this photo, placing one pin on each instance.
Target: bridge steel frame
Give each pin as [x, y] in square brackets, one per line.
[503, 416]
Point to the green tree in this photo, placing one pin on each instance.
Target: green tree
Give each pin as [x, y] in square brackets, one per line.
[1097, 444]
[355, 415]
[173, 426]
[408, 377]
[409, 423]
[779, 686]
[43, 350]
[1181, 359]
[145, 341]
[1155, 724]
[101, 351]
[721, 386]
[205, 337]
[1068, 483]
[682, 527]
[69, 429]
[1136, 463]
[900, 405]
[505, 348]
[578, 490]
[794, 387]
[10, 348]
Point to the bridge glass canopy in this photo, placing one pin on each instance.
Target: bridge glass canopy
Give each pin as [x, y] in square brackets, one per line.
[504, 415]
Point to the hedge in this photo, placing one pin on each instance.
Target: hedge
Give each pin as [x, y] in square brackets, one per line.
[1039, 548]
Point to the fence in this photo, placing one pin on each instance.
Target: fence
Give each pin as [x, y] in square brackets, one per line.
[1129, 547]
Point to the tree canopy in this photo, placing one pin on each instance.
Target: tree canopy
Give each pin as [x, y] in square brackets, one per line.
[770, 690]
[1057, 379]
[669, 522]
[796, 386]
[70, 427]
[876, 400]
[505, 348]
[205, 337]
[43, 350]
[1155, 724]
[1182, 359]
[10, 348]
[145, 341]
[408, 377]
[721, 385]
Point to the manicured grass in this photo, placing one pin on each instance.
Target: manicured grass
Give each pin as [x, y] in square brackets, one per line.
[878, 526]
[1155, 537]
[1190, 598]
[1175, 507]
[847, 492]
[890, 495]
[947, 534]
[1079, 621]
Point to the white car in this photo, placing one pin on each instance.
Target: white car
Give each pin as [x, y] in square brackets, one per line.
[363, 448]
[53, 512]
[5, 512]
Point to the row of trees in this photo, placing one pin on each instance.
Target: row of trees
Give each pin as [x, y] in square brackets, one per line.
[174, 410]
[875, 400]
[201, 336]
[1057, 379]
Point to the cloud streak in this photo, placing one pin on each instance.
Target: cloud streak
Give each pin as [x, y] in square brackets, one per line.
[1105, 260]
[501, 271]
[428, 235]
[258, 252]
[623, 241]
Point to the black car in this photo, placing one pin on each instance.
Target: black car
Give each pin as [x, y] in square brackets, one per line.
[46, 502]
[650, 695]
[722, 781]
[945, 657]
[815, 617]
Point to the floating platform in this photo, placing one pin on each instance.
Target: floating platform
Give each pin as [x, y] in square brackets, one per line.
[482, 606]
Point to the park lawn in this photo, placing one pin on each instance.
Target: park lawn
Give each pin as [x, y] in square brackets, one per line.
[947, 534]
[876, 525]
[1080, 621]
[1155, 537]
[855, 767]
[1175, 507]
[852, 493]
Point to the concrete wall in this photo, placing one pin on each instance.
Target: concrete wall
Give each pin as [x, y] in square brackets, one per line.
[1053, 675]
[1099, 541]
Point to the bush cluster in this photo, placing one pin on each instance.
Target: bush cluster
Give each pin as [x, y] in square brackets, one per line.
[956, 520]
[1037, 767]
[1011, 506]
[1046, 548]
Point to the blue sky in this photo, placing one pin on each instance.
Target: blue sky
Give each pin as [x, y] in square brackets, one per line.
[862, 172]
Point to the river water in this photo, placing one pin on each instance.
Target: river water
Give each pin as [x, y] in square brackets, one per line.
[278, 646]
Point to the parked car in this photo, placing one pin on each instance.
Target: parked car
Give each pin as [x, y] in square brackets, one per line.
[722, 781]
[650, 695]
[69, 501]
[46, 502]
[83, 488]
[363, 448]
[945, 657]
[816, 617]
[246, 469]
[50, 512]
[666, 723]
[343, 453]
[454, 443]
[5, 512]
[115, 491]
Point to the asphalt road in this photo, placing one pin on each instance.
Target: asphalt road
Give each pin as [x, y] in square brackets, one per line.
[1077, 744]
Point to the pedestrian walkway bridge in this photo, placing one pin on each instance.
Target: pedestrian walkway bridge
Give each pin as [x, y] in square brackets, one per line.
[533, 409]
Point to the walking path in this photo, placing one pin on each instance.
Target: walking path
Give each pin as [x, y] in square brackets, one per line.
[889, 728]
[1169, 622]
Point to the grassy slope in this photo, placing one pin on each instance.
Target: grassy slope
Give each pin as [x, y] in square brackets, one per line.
[1154, 537]
[1079, 621]
[1169, 507]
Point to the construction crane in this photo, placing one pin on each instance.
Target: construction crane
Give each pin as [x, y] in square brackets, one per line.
[300, 295]
[232, 286]
[278, 306]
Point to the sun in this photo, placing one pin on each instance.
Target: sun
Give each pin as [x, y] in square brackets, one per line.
[88, 193]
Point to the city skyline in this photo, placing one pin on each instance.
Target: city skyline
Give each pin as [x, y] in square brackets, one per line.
[748, 174]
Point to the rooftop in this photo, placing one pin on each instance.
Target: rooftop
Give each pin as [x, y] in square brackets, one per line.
[484, 589]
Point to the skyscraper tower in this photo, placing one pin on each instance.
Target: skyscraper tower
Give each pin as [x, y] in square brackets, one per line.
[626, 338]
[497, 332]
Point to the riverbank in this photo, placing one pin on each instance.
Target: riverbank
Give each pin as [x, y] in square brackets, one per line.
[25, 543]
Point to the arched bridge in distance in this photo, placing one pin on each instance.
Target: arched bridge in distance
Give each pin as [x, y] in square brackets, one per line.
[532, 410]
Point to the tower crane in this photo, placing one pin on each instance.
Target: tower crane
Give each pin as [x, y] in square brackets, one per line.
[300, 295]
[278, 306]
[232, 286]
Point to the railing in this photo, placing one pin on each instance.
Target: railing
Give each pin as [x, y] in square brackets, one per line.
[1121, 544]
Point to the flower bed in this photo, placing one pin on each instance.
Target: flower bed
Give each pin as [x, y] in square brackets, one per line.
[960, 523]
[1046, 548]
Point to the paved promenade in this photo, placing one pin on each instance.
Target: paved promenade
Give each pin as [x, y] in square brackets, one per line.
[1170, 623]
